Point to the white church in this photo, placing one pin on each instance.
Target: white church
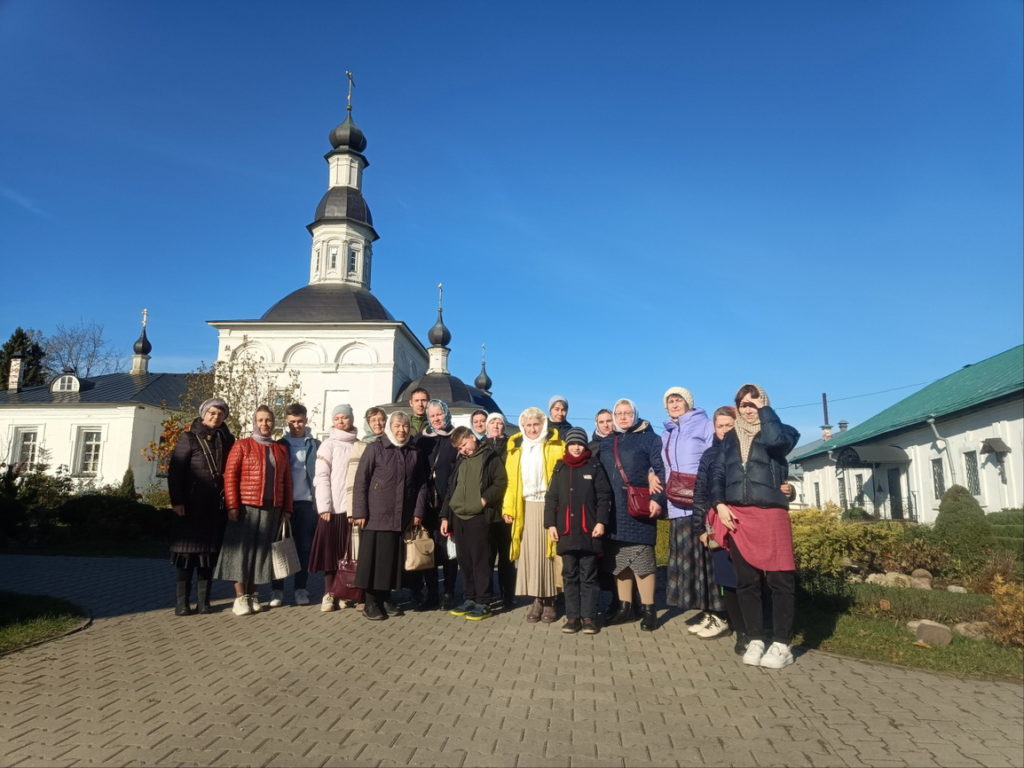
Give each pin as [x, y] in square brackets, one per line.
[343, 345]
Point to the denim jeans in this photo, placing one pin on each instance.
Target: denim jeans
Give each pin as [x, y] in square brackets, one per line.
[303, 527]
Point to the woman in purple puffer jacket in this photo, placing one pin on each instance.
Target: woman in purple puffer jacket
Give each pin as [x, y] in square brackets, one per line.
[688, 433]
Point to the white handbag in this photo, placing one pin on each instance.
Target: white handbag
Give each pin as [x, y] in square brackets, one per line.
[284, 555]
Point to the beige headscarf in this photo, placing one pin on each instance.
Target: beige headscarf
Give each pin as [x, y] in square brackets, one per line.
[746, 431]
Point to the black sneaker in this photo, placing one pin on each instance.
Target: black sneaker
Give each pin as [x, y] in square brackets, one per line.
[572, 626]
[463, 609]
[479, 613]
[590, 627]
[392, 609]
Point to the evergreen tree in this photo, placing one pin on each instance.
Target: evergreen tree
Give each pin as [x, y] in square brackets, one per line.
[127, 489]
[33, 366]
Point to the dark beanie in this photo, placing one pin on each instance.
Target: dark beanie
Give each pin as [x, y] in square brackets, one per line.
[576, 435]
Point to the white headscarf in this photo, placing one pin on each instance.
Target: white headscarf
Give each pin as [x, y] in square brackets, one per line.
[391, 435]
[531, 464]
[636, 416]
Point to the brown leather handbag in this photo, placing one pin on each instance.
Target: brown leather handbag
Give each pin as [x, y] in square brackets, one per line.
[679, 488]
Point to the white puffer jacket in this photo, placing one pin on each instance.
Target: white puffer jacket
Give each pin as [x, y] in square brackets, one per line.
[332, 472]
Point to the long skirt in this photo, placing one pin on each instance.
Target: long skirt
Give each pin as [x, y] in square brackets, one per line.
[380, 560]
[535, 572]
[329, 543]
[690, 580]
[245, 556]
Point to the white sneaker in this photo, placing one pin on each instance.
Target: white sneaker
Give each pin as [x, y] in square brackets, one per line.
[277, 598]
[701, 625]
[327, 604]
[254, 602]
[777, 656]
[241, 606]
[301, 597]
[715, 628]
[754, 653]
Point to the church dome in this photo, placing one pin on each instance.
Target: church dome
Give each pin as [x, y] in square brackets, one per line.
[439, 335]
[328, 303]
[483, 381]
[348, 136]
[343, 203]
[142, 345]
[451, 389]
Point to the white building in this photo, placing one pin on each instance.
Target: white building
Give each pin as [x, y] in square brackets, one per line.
[342, 342]
[965, 429]
[96, 427]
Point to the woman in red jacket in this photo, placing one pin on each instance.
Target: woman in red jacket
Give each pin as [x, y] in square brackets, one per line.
[257, 491]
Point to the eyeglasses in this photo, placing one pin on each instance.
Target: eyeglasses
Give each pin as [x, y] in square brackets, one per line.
[747, 405]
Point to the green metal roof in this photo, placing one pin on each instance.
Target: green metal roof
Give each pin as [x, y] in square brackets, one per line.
[971, 386]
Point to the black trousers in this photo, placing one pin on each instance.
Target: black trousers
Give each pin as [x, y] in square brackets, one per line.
[501, 544]
[580, 585]
[750, 588]
[473, 550]
[418, 581]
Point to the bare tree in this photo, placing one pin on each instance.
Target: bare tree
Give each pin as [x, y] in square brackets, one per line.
[82, 348]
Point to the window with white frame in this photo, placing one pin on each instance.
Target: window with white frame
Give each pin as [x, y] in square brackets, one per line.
[843, 502]
[858, 481]
[90, 441]
[817, 495]
[65, 383]
[938, 478]
[353, 257]
[971, 465]
[334, 257]
[26, 446]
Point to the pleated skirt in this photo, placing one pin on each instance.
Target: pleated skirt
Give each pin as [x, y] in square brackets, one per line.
[245, 554]
[690, 580]
[535, 571]
[329, 542]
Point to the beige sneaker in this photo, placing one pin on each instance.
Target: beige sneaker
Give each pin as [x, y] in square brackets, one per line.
[241, 606]
[327, 603]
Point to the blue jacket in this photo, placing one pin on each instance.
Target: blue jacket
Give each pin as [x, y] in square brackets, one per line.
[640, 451]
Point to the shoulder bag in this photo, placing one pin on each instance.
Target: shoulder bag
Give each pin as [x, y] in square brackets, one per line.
[638, 498]
[284, 555]
[419, 548]
[679, 488]
[344, 585]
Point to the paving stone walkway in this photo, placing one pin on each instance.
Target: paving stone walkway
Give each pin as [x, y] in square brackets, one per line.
[297, 687]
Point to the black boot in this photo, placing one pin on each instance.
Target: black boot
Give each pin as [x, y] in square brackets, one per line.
[624, 615]
[203, 596]
[741, 643]
[649, 620]
[181, 607]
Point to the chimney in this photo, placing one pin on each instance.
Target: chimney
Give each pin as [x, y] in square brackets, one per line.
[15, 376]
[826, 431]
[843, 426]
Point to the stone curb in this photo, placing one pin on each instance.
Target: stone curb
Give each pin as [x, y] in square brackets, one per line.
[84, 624]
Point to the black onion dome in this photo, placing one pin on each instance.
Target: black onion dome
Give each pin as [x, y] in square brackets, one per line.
[348, 136]
[483, 381]
[343, 203]
[328, 303]
[439, 335]
[451, 389]
[142, 345]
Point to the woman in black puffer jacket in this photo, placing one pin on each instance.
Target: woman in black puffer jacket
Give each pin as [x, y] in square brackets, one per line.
[752, 521]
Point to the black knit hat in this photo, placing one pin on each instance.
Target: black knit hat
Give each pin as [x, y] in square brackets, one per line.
[576, 435]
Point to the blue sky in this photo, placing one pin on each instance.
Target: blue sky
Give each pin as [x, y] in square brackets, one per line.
[819, 197]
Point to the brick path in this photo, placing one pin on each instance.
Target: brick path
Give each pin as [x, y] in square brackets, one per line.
[297, 687]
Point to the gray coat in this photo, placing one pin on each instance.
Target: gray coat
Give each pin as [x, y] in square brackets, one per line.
[390, 486]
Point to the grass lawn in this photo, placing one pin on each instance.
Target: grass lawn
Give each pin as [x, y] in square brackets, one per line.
[27, 619]
[889, 640]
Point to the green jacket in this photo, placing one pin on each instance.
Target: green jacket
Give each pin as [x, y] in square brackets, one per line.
[488, 467]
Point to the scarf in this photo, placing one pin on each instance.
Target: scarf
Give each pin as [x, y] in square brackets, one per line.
[576, 461]
[342, 436]
[636, 416]
[444, 431]
[745, 431]
[258, 437]
[531, 465]
[391, 435]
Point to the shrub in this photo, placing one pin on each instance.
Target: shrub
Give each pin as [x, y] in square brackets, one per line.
[156, 495]
[857, 514]
[917, 548]
[1008, 530]
[96, 515]
[1007, 614]
[127, 489]
[999, 564]
[961, 528]
[823, 543]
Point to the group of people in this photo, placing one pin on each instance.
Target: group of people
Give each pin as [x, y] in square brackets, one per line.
[555, 514]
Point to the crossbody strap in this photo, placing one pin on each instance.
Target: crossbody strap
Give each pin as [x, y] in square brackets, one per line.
[618, 461]
[208, 455]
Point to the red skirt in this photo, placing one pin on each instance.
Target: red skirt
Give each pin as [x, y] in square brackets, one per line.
[328, 543]
[763, 535]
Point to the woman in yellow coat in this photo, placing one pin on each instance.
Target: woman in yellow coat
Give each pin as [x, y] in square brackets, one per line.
[532, 455]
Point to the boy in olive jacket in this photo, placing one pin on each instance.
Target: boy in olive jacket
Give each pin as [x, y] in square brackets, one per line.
[476, 489]
[577, 509]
